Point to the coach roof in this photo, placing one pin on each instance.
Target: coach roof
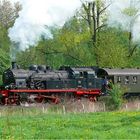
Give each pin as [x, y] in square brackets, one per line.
[123, 71]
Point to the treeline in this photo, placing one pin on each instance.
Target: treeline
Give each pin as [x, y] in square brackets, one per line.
[84, 40]
[8, 15]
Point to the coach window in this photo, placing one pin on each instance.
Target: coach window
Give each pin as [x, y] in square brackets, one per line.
[127, 80]
[79, 82]
[134, 79]
[118, 79]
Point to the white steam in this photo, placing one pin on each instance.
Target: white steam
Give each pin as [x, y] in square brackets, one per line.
[35, 18]
[125, 14]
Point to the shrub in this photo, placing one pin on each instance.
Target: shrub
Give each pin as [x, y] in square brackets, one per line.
[0, 80]
[116, 96]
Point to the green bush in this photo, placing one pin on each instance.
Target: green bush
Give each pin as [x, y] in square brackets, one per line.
[116, 96]
[0, 80]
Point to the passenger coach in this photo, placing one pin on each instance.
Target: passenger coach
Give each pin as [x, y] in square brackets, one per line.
[129, 78]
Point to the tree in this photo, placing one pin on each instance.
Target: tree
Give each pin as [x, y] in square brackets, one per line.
[4, 61]
[69, 46]
[8, 13]
[112, 51]
[95, 16]
[131, 13]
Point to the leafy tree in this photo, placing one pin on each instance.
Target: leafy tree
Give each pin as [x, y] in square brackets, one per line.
[95, 15]
[4, 61]
[69, 46]
[76, 45]
[4, 40]
[111, 51]
[131, 13]
[135, 59]
[8, 14]
[30, 56]
[4, 50]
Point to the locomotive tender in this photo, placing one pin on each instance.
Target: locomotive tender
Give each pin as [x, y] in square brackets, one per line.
[41, 83]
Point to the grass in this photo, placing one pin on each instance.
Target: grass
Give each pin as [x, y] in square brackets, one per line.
[32, 123]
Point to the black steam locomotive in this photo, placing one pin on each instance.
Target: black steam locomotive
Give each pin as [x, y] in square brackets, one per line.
[42, 77]
[42, 82]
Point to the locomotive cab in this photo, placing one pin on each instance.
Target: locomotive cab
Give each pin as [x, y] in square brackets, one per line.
[86, 78]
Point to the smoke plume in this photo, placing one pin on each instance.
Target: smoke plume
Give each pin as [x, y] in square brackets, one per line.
[37, 16]
[125, 14]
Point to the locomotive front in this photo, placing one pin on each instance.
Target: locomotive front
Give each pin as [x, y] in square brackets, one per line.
[15, 78]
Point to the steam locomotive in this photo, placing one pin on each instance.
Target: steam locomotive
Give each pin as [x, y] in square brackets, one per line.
[41, 83]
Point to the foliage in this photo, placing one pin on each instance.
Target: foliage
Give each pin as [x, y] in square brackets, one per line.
[94, 13]
[135, 59]
[4, 61]
[116, 92]
[69, 46]
[1, 80]
[130, 11]
[131, 15]
[111, 50]
[4, 49]
[8, 13]
[29, 57]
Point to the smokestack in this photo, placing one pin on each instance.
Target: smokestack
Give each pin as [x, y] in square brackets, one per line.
[14, 65]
